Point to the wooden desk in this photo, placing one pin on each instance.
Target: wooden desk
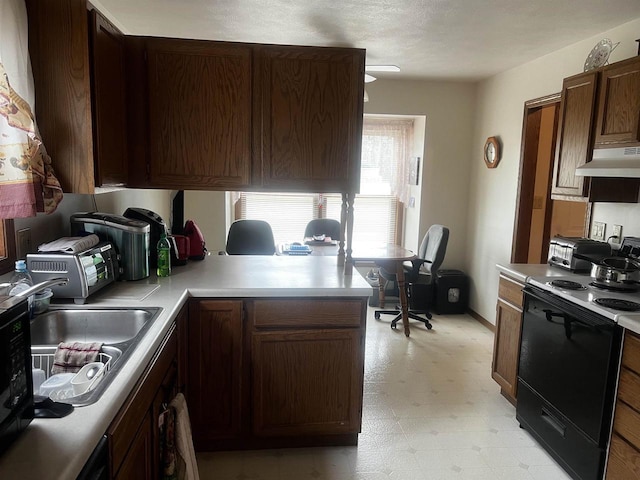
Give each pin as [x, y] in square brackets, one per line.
[390, 257]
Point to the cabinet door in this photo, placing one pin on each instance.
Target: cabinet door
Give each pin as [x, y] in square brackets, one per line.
[109, 102]
[310, 111]
[619, 104]
[215, 370]
[306, 382]
[199, 113]
[506, 348]
[139, 460]
[574, 145]
[59, 50]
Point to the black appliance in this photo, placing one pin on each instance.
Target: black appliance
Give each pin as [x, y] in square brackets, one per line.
[569, 358]
[157, 227]
[16, 387]
[97, 467]
[452, 292]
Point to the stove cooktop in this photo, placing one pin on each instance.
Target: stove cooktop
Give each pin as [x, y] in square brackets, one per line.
[577, 289]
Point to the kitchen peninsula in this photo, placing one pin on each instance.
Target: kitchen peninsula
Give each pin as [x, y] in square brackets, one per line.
[261, 333]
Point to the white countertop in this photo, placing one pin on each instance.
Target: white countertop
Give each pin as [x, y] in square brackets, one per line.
[522, 271]
[538, 274]
[58, 448]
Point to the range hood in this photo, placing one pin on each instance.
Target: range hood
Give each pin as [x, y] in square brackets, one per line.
[612, 162]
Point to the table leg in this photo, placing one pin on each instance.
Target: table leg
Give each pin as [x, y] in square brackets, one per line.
[404, 307]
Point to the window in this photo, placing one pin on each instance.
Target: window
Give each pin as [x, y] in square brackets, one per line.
[7, 246]
[386, 143]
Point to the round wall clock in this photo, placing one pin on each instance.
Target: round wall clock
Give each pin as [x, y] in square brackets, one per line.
[491, 152]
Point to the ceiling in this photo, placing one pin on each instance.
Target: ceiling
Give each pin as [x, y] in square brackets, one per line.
[445, 39]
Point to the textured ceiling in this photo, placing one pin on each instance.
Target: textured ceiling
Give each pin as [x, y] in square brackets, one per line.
[453, 39]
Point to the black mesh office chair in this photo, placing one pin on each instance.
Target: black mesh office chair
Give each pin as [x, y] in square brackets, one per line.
[323, 226]
[250, 237]
[422, 271]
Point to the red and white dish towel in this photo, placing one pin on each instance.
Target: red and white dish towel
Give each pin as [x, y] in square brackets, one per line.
[72, 356]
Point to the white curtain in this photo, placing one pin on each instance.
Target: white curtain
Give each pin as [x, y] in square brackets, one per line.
[386, 150]
[27, 181]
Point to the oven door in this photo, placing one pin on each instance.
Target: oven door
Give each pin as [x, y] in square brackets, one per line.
[569, 356]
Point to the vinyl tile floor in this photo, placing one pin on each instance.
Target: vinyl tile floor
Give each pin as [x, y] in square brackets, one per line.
[431, 411]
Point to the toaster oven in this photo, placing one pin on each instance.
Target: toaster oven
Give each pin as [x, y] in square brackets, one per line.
[87, 272]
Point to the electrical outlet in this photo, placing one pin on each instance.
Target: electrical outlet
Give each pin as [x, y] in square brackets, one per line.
[597, 230]
[617, 233]
[23, 242]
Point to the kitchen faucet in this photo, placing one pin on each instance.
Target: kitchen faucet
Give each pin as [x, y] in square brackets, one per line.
[38, 287]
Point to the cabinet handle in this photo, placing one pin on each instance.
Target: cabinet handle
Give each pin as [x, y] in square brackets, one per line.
[553, 422]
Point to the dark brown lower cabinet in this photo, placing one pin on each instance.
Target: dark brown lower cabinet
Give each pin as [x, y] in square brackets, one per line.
[306, 382]
[275, 372]
[506, 345]
[214, 378]
[138, 461]
[134, 435]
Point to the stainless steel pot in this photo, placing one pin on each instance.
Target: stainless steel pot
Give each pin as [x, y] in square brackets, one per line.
[616, 271]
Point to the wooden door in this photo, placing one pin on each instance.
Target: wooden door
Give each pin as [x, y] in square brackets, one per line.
[619, 104]
[109, 102]
[506, 348]
[306, 382]
[310, 108]
[138, 462]
[574, 145]
[214, 385]
[199, 114]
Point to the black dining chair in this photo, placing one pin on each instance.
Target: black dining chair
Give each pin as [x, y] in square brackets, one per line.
[323, 226]
[250, 237]
[422, 271]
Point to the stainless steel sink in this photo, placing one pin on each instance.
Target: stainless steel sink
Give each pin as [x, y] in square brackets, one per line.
[119, 329]
[106, 325]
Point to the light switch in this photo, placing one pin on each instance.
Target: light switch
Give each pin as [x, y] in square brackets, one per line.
[597, 230]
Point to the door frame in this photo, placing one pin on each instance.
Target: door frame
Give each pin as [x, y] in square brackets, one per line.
[526, 177]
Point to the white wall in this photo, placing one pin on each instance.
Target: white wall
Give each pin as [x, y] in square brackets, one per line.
[449, 109]
[492, 195]
[207, 209]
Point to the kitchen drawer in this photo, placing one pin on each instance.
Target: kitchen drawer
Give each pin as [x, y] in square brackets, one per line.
[631, 352]
[629, 388]
[510, 291]
[624, 460]
[627, 424]
[321, 312]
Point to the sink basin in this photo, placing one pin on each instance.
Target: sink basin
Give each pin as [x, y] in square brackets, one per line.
[106, 325]
[119, 329]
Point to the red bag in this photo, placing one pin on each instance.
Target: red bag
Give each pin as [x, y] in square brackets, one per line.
[197, 249]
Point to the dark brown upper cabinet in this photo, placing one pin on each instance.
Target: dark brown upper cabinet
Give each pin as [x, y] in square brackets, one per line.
[109, 101]
[600, 109]
[619, 104]
[80, 103]
[199, 114]
[192, 114]
[575, 127]
[309, 105]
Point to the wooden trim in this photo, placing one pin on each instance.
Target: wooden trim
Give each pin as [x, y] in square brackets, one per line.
[483, 321]
[8, 236]
[526, 176]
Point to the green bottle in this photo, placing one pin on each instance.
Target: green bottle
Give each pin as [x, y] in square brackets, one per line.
[164, 256]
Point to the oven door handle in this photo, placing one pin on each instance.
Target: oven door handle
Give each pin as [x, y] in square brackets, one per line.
[553, 422]
[566, 322]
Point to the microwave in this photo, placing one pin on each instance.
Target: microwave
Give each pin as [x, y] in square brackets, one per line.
[16, 388]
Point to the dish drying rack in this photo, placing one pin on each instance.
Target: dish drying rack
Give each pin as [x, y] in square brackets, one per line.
[44, 361]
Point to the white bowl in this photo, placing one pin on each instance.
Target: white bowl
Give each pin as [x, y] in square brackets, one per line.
[81, 383]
